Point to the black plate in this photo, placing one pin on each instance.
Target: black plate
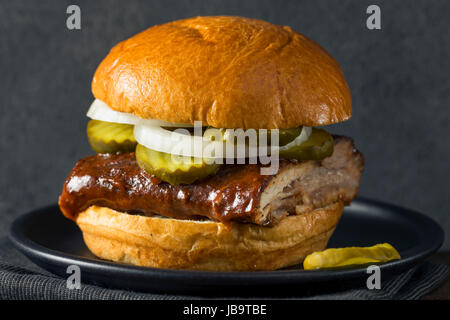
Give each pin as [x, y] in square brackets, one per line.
[53, 242]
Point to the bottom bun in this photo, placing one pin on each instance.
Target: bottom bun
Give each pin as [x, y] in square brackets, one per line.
[206, 245]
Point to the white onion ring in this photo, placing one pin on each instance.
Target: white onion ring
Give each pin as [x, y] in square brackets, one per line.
[149, 133]
[160, 139]
[101, 111]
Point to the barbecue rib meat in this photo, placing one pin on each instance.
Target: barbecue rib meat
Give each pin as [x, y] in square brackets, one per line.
[234, 193]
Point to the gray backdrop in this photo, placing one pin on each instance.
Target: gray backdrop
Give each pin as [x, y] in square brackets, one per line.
[398, 77]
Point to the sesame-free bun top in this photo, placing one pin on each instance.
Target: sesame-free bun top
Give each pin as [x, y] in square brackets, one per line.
[229, 72]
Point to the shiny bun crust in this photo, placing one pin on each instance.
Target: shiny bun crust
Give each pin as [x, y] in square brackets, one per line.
[229, 72]
[182, 244]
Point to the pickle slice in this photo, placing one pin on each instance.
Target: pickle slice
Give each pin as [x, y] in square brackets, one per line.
[351, 257]
[286, 135]
[318, 146]
[173, 169]
[109, 137]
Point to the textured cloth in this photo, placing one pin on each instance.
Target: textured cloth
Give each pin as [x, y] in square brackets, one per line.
[34, 283]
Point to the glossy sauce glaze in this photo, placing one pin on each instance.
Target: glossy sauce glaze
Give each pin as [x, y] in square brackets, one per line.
[117, 182]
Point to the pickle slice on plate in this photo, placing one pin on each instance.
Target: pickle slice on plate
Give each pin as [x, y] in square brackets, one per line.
[109, 137]
[351, 257]
[318, 146]
[173, 169]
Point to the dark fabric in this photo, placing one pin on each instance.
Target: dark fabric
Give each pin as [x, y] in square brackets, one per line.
[410, 285]
[20, 279]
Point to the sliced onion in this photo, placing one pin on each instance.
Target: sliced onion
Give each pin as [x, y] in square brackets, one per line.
[163, 140]
[149, 133]
[101, 111]
[178, 143]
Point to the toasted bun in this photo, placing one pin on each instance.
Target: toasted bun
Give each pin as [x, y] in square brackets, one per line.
[183, 244]
[229, 72]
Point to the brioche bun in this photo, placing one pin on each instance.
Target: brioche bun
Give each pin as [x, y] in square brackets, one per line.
[182, 244]
[228, 72]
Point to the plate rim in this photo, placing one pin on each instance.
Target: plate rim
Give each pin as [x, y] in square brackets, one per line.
[35, 251]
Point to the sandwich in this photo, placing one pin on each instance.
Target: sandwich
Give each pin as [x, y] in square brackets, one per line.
[209, 154]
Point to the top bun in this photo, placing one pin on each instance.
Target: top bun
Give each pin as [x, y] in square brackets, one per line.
[229, 72]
